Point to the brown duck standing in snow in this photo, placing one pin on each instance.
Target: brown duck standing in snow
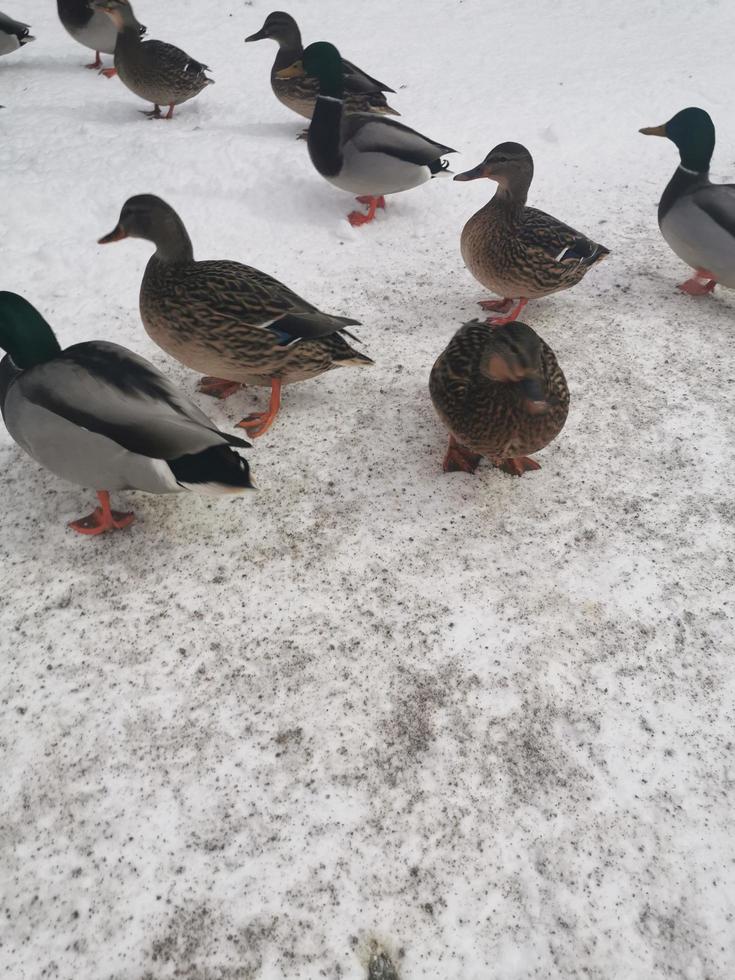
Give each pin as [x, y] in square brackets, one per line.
[518, 252]
[299, 92]
[158, 72]
[501, 394]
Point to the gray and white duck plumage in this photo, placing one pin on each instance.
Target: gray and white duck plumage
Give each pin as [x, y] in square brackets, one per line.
[13, 34]
[363, 153]
[90, 27]
[697, 217]
[155, 71]
[102, 417]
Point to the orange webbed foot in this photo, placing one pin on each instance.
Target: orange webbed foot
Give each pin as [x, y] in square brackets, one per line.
[701, 283]
[103, 518]
[518, 465]
[357, 218]
[459, 459]
[218, 387]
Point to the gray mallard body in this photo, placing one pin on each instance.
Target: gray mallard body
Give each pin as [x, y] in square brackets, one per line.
[299, 91]
[697, 217]
[102, 417]
[229, 321]
[153, 70]
[363, 153]
[501, 394]
[517, 251]
[13, 34]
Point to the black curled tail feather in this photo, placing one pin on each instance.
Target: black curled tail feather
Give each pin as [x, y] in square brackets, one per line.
[438, 166]
[218, 465]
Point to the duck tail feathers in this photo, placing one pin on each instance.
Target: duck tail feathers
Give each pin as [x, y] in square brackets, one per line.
[217, 470]
[584, 251]
[440, 168]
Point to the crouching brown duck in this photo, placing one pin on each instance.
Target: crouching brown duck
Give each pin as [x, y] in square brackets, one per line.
[501, 394]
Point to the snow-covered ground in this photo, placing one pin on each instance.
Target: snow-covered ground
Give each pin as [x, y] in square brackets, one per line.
[484, 723]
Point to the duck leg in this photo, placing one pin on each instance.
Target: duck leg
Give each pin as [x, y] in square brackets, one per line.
[218, 387]
[107, 72]
[102, 518]
[170, 113]
[97, 63]
[509, 312]
[701, 283]
[517, 465]
[154, 113]
[258, 424]
[459, 458]
[357, 218]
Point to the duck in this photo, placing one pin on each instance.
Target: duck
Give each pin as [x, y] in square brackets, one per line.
[154, 70]
[91, 28]
[228, 321]
[501, 394]
[100, 416]
[299, 91]
[697, 217]
[516, 251]
[363, 153]
[13, 34]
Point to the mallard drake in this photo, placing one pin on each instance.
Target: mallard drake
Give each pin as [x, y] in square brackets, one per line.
[520, 253]
[157, 72]
[299, 91]
[232, 323]
[100, 416]
[90, 27]
[359, 152]
[501, 394]
[13, 34]
[697, 217]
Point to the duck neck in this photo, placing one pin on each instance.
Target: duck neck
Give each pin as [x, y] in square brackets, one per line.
[509, 200]
[683, 180]
[324, 135]
[128, 32]
[172, 241]
[25, 335]
[290, 50]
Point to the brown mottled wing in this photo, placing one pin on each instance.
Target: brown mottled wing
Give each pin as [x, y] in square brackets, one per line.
[230, 293]
[541, 230]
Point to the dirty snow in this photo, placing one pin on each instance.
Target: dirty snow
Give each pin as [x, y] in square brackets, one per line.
[482, 724]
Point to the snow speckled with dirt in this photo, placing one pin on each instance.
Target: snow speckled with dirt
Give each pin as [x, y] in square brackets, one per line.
[483, 724]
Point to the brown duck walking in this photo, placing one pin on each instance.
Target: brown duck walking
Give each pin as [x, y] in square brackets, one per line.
[157, 72]
[518, 252]
[501, 394]
[232, 323]
[299, 91]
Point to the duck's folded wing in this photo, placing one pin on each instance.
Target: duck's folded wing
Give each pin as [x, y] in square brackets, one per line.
[230, 296]
[111, 391]
[718, 201]
[541, 230]
[357, 80]
[10, 26]
[378, 134]
[161, 53]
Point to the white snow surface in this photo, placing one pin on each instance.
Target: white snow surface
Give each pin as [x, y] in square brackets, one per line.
[483, 723]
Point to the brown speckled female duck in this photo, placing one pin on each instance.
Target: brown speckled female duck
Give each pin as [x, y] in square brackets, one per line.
[299, 91]
[516, 251]
[232, 323]
[501, 394]
[157, 72]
